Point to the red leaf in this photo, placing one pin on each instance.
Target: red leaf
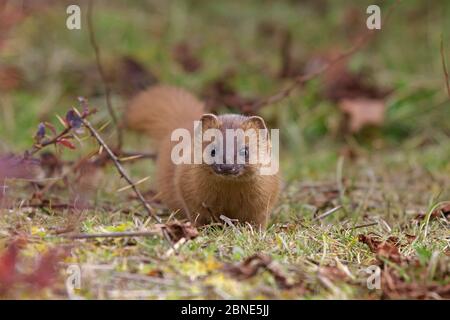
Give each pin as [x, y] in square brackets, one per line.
[8, 263]
[51, 127]
[46, 271]
[66, 143]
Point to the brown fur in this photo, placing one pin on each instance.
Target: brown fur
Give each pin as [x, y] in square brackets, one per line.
[194, 188]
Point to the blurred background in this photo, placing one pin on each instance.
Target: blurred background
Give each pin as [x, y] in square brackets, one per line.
[364, 146]
[388, 100]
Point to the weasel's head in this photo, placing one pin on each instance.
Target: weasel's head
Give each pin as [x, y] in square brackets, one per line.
[233, 145]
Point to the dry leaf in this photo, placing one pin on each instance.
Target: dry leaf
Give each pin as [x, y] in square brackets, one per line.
[394, 287]
[383, 249]
[184, 55]
[10, 78]
[251, 265]
[333, 273]
[363, 112]
[178, 230]
[443, 210]
[131, 76]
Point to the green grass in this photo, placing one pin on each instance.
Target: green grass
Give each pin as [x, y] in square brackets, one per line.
[402, 168]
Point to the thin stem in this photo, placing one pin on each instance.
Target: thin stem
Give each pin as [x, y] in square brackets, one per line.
[101, 71]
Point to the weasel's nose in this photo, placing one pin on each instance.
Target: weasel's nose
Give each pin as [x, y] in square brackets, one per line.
[226, 168]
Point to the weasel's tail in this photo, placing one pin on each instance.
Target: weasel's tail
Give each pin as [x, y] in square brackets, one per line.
[161, 109]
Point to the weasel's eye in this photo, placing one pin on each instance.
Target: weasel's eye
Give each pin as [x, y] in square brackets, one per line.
[243, 152]
[213, 152]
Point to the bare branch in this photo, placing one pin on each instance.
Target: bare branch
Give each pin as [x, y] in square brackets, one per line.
[110, 235]
[444, 66]
[302, 79]
[124, 175]
[119, 167]
[101, 71]
[44, 143]
[326, 214]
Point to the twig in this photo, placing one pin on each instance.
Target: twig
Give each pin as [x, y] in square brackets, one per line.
[125, 156]
[326, 214]
[160, 281]
[101, 71]
[44, 143]
[444, 66]
[229, 222]
[175, 247]
[125, 234]
[360, 226]
[124, 175]
[133, 156]
[48, 206]
[121, 170]
[302, 79]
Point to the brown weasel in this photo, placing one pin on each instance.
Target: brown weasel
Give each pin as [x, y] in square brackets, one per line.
[202, 191]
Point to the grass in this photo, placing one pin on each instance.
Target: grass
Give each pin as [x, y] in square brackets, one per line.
[401, 169]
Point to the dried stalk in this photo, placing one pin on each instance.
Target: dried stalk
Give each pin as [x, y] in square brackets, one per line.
[124, 175]
[444, 66]
[111, 235]
[101, 71]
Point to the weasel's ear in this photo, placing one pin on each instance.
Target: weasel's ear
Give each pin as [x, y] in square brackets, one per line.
[254, 122]
[209, 120]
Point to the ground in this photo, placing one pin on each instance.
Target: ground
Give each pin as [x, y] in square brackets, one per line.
[389, 183]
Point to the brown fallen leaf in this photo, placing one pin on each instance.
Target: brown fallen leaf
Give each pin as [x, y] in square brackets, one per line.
[442, 211]
[410, 237]
[253, 264]
[249, 267]
[11, 78]
[183, 54]
[388, 249]
[395, 287]
[361, 100]
[178, 230]
[363, 112]
[132, 76]
[342, 83]
[333, 273]
[157, 273]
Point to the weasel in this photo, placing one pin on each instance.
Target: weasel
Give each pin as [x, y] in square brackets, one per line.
[203, 191]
